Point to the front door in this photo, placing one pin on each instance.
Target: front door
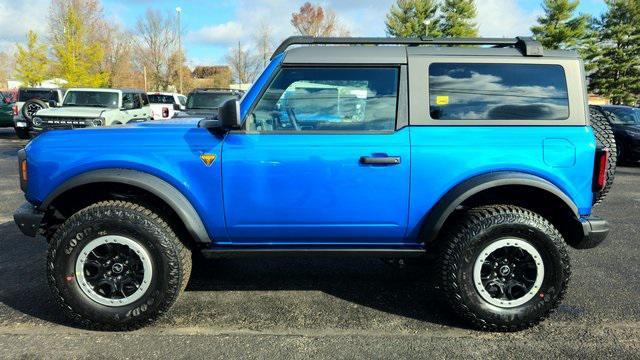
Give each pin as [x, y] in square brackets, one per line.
[319, 161]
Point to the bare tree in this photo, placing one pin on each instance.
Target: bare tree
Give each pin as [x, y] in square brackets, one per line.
[243, 65]
[263, 40]
[118, 59]
[89, 12]
[313, 20]
[7, 63]
[157, 42]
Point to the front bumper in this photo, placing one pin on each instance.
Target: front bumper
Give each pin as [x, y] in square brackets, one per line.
[595, 231]
[28, 218]
[20, 122]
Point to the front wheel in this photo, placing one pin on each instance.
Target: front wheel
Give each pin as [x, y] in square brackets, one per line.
[116, 265]
[504, 268]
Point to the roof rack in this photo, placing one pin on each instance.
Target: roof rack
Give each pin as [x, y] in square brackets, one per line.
[526, 45]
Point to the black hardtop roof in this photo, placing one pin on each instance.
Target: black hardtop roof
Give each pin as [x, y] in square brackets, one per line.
[39, 89]
[394, 47]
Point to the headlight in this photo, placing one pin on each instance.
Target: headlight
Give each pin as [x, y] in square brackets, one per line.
[94, 122]
[37, 121]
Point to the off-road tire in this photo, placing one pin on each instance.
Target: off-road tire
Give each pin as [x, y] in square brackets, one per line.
[170, 258]
[605, 139]
[22, 133]
[25, 107]
[464, 242]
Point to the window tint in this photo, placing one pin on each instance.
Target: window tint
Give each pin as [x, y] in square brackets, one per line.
[161, 99]
[465, 91]
[325, 99]
[208, 100]
[44, 95]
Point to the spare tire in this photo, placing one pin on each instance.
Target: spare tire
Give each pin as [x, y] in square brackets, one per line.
[604, 139]
[31, 107]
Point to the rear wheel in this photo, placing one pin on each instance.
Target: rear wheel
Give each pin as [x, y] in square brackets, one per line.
[117, 265]
[504, 268]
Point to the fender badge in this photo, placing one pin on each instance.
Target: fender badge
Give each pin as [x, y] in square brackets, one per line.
[208, 159]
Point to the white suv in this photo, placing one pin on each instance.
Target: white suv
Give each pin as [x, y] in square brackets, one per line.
[95, 107]
[164, 105]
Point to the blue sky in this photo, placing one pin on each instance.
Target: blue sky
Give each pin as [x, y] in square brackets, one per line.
[212, 27]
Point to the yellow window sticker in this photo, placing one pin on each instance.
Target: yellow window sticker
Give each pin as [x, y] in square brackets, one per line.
[442, 100]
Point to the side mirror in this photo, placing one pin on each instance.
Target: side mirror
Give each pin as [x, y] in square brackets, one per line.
[229, 115]
[177, 107]
[53, 103]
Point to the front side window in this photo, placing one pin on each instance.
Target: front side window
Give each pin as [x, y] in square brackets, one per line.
[128, 101]
[325, 99]
[467, 91]
[91, 99]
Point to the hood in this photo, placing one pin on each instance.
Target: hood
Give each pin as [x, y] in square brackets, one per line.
[73, 111]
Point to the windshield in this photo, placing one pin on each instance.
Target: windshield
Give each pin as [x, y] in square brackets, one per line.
[202, 100]
[623, 115]
[92, 99]
[161, 99]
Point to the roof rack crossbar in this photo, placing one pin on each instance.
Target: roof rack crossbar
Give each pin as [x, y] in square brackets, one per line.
[526, 45]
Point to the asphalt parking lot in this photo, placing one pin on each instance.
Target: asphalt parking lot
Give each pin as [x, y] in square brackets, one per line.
[324, 307]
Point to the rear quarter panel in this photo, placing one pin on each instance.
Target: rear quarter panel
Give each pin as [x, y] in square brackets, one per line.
[444, 156]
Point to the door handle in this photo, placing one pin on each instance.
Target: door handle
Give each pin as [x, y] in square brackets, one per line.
[384, 160]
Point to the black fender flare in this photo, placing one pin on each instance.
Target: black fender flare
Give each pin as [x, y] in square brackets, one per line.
[150, 183]
[435, 219]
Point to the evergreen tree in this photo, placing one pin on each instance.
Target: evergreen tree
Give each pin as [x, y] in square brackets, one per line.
[413, 18]
[31, 62]
[615, 52]
[78, 57]
[558, 28]
[457, 18]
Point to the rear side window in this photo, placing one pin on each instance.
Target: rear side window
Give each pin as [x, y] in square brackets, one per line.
[161, 99]
[44, 95]
[468, 91]
[328, 99]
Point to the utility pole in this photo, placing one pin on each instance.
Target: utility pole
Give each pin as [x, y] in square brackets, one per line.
[179, 12]
[144, 71]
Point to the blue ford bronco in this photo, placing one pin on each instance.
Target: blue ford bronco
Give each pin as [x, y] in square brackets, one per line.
[481, 152]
